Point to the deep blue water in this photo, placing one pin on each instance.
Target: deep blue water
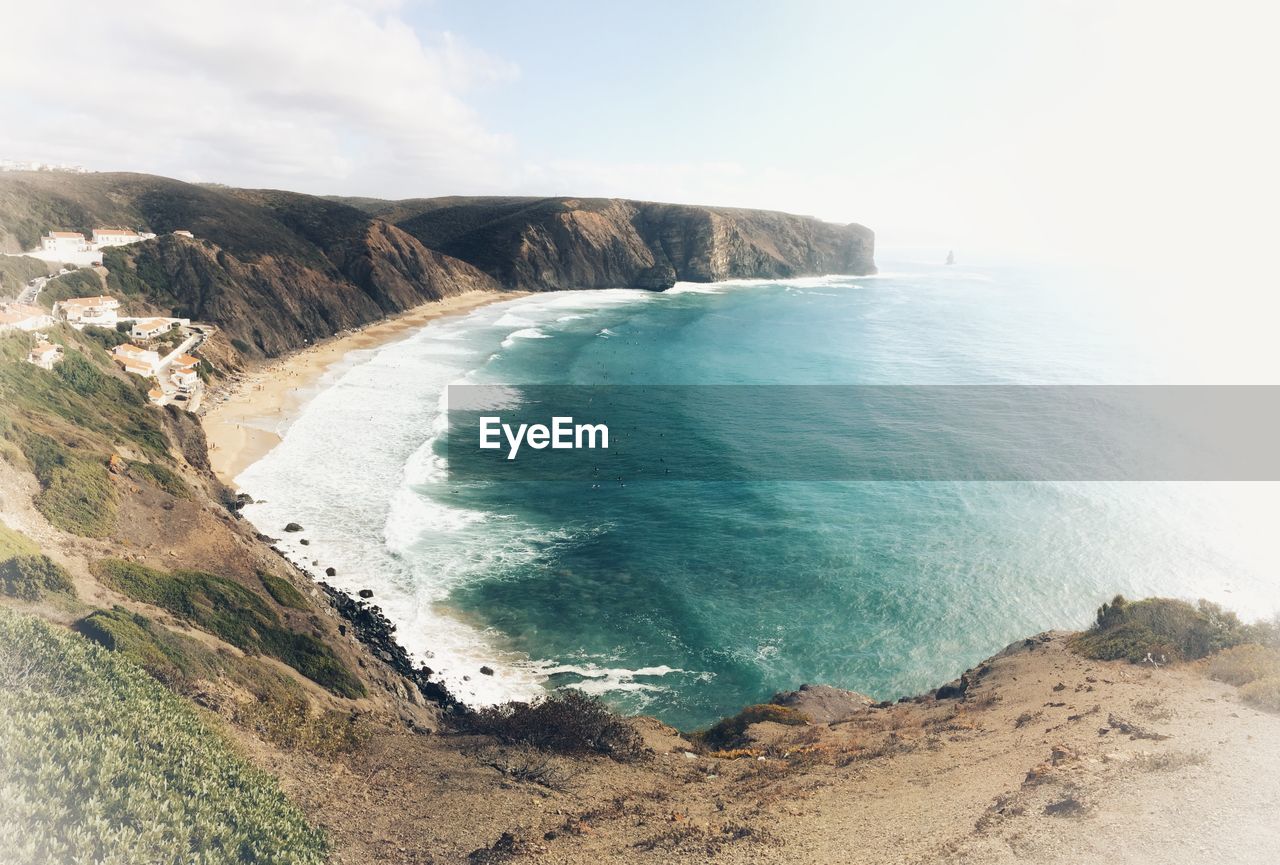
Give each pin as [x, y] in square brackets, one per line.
[688, 600]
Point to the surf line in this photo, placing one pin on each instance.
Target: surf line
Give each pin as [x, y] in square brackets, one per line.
[563, 434]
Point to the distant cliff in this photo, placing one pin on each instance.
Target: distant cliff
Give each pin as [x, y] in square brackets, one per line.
[276, 270]
[544, 244]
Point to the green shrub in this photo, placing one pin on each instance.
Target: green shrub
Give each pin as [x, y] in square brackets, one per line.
[282, 591]
[1263, 693]
[235, 614]
[76, 492]
[1165, 629]
[79, 373]
[159, 476]
[15, 543]
[176, 660]
[28, 577]
[565, 722]
[1240, 665]
[102, 764]
[729, 733]
[77, 283]
[109, 338]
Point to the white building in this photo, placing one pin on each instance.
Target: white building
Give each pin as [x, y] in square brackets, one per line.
[115, 237]
[149, 328]
[139, 361]
[45, 355]
[21, 316]
[79, 311]
[183, 372]
[64, 241]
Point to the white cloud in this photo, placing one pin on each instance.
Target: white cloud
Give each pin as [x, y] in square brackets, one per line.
[331, 96]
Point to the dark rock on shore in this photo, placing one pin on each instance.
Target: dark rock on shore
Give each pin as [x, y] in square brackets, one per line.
[486, 671]
[332, 572]
[364, 593]
[372, 628]
[293, 527]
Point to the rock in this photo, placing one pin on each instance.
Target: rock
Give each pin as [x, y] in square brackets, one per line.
[486, 671]
[293, 527]
[116, 465]
[660, 277]
[304, 542]
[951, 691]
[364, 593]
[333, 572]
[824, 704]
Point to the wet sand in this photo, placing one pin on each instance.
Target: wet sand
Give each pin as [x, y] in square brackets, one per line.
[277, 389]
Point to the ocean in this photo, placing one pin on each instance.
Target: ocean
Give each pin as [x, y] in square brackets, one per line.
[688, 600]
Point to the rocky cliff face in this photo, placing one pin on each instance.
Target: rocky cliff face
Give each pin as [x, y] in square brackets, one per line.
[273, 304]
[276, 270]
[557, 243]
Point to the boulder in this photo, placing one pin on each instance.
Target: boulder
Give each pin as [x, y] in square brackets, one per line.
[660, 277]
[333, 572]
[824, 704]
[486, 671]
[293, 527]
[365, 593]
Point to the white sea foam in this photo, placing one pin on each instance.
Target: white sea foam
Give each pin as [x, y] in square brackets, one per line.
[357, 468]
[524, 333]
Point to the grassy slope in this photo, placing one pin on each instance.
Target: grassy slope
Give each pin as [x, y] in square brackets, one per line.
[104, 765]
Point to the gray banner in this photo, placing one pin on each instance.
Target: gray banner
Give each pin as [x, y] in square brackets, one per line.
[863, 433]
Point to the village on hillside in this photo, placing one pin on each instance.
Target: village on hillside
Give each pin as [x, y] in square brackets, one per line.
[160, 349]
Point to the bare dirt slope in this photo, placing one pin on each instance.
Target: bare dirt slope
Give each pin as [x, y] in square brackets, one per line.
[1049, 758]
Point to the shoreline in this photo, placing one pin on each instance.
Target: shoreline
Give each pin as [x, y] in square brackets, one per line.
[280, 387]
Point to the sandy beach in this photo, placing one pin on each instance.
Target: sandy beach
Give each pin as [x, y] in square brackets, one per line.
[279, 388]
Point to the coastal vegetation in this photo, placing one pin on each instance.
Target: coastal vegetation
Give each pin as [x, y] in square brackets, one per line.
[30, 577]
[234, 614]
[64, 425]
[1160, 630]
[83, 282]
[728, 734]
[563, 722]
[1166, 630]
[102, 764]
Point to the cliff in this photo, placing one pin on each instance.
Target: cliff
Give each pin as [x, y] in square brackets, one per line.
[544, 244]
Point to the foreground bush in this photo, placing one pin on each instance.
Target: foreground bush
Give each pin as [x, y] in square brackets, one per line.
[30, 577]
[1240, 665]
[729, 733]
[236, 614]
[1163, 629]
[1263, 693]
[565, 722]
[99, 763]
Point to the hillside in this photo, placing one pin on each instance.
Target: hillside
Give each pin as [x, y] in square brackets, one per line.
[274, 270]
[544, 244]
[279, 270]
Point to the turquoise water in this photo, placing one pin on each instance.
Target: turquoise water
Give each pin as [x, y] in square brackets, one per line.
[687, 600]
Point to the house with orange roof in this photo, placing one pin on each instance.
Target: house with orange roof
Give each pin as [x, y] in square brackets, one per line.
[45, 355]
[137, 360]
[64, 241]
[149, 328]
[114, 237]
[22, 316]
[79, 311]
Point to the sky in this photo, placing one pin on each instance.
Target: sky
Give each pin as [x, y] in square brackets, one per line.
[1143, 131]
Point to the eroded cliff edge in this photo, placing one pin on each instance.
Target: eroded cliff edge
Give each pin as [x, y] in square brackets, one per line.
[545, 244]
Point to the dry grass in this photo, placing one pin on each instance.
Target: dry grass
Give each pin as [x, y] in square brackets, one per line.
[1241, 665]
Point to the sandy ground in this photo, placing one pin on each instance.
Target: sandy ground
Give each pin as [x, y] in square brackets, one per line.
[275, 391]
